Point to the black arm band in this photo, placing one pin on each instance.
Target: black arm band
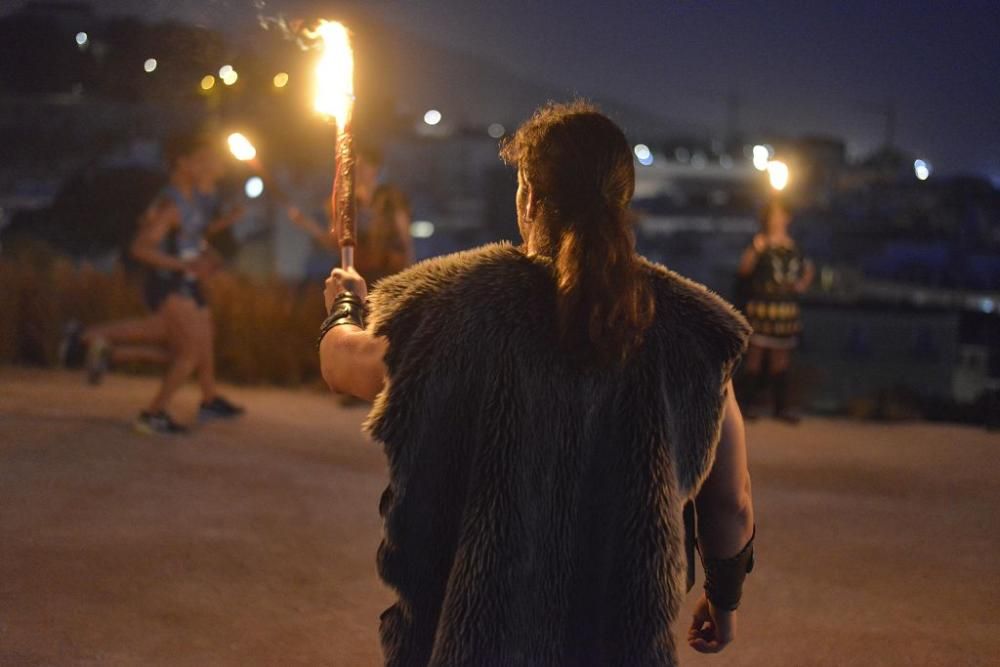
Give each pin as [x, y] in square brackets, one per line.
[724, 577]
[347, 308]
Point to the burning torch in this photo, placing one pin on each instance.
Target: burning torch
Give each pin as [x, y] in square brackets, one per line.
[335, 101]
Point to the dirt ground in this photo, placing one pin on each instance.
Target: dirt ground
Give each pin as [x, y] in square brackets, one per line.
[253, 542]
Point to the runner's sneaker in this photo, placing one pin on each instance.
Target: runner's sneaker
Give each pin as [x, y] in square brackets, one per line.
[159, 423]
[98, 360]
[219, 408]
[71, 347]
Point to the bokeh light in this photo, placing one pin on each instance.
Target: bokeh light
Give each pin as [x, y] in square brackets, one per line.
[230, 77]
[922, 169]
[422, 229]
[207, 82]
[432, 117]
[241, 147]
[254, 187]
[82, 38]
[150, 65]
[643, 154]
[761, 155]
[496, 130]
[280, 79]
[777, 173]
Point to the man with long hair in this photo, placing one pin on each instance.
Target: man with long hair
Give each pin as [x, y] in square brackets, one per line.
[546, 411]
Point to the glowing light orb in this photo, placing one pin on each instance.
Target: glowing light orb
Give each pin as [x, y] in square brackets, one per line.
[761, 155]
[432, 117]
[922, 169]
[207, 82]
[82, 38]
[254, 187]
[230, 77]
[422, 229]
[496, 130]
[280, 80]
[150, 65]
[241, 148]
[777, 173]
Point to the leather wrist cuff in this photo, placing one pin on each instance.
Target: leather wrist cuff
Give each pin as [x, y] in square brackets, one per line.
[724, 577]
[347, 308]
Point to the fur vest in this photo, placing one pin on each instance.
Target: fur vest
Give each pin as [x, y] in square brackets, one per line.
[533, 514]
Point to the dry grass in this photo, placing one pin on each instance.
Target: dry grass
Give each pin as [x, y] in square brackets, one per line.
[265, 332]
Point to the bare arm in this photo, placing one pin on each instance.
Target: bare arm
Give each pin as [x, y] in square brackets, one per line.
[351, 359]
[750, 256]
[807, 277]
[154, 225]
[725, 524]
[225, 221]
[310, 226]
[725, 505]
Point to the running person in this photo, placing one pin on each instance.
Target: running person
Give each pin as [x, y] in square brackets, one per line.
[171, 243]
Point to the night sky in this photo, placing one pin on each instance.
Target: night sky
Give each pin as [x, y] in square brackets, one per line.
[797, 66]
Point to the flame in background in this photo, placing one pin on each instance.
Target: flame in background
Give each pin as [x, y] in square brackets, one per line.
[241, 148]
[335, 73]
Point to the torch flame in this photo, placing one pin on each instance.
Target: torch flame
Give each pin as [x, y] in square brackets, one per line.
[241, 148]
[335, 73]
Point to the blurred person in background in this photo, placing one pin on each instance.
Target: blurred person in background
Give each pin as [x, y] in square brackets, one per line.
[384, 245]
[546, 410]
[774, 273]
[171, 244]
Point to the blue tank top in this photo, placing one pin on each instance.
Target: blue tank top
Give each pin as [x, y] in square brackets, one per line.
[187, 240]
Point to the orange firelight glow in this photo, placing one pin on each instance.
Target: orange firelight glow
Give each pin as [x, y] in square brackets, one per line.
[335, 74]
[241, 147]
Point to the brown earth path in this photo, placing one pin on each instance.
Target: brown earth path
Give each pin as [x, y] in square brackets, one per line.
[253, 542]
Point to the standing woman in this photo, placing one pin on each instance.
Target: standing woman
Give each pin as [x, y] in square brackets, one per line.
[776, 274]
[386, 247]
[546, 411]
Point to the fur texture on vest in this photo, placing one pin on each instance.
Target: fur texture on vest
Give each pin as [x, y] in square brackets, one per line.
[533, 515]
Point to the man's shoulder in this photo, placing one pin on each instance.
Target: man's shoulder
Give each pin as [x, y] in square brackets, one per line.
[434, 274]
[684, 304]
[485, 273]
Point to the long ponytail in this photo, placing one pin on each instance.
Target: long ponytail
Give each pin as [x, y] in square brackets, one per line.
[578, 164]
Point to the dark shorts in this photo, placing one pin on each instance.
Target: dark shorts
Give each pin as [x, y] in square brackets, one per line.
[158, 288]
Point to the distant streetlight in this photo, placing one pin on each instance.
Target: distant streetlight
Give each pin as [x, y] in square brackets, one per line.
[254, 187]
[150, 65]
[280, 80]
[82, 38]
[422, 229]
[922, 169]
[761, 155]
[777, 173]
[241, 147]
[643, 154]
[432, 117]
